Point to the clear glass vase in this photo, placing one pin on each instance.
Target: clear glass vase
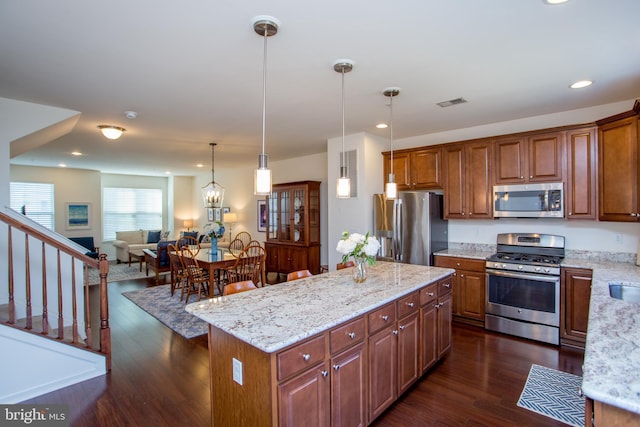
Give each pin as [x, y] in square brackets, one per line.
[360, 270]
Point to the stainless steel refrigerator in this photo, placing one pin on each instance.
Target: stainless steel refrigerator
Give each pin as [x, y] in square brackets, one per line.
[411, 227]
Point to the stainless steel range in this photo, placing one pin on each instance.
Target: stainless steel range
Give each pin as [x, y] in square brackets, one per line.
[523, 286]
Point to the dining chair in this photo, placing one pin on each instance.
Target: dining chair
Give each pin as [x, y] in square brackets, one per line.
[179, 277]
[295, 275]
[341, 265]
[236, 247]
[237, 287]
[197, 277]
[244, 237]
[246, 267]
[189, 241]
[255, 249]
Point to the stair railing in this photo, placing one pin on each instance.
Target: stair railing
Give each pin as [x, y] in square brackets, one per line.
[59, 260]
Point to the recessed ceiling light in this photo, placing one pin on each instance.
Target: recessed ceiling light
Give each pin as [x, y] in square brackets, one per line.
[168, 172]
[581, 84]
[555, 1]
[76, 153]
[382, 125]
[62, 165]
[199, 165]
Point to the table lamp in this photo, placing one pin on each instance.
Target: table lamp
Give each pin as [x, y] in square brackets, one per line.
[230, 218]
[187, 223]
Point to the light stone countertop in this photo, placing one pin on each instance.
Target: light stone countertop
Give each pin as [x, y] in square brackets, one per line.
[274, 317]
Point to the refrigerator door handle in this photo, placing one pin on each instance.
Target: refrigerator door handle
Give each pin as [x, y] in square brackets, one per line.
[399, 232]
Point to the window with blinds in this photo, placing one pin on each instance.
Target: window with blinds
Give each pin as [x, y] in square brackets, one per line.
[126, 209]
[35, 200]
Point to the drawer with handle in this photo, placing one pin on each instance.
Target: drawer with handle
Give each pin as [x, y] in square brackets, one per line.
[300, 357]
[408, 304]
[429, 293]
[346, 335]
[384, 316]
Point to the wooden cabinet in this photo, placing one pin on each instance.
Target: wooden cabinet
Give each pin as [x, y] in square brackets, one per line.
[394, 352]
[419, 169]
[575, 294]
[581, 174]
[600, 414]
[304, 400]
[468, 288]
[523, 159]
[348, 388]
[468, 188]
[618, 169]
[428, 327]
[293, 227]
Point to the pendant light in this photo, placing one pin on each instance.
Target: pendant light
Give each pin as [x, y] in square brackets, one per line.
[212, 193]
[343, 186]
[391, 188]
[265, 26]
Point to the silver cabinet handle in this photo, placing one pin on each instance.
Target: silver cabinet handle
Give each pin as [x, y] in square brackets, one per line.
[580, 393]
[530, 176]
[395, 332]
[352, 335]
[410, 304]
[336, 367]
[457, 264]
[324, 373]
[437, 305]
[462, 275]
[385, 317]
[447, 285]
[431, 294]
[402, 327]
[306, 357]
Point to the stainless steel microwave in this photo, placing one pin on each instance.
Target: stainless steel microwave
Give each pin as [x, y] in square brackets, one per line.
[528, 200]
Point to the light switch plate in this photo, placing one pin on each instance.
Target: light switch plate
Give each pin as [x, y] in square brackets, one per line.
[237, 371]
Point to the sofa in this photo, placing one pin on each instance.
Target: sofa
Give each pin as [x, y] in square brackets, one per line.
[129, 243]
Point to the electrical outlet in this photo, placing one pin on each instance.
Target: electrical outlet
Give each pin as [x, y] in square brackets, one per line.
[619, 239]
[237, 371]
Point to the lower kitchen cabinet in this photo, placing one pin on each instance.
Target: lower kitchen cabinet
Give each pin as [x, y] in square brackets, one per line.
[348, 388]
[469, 298]
[600, 414]
[444, 316]
[575, 294]
[304, 400]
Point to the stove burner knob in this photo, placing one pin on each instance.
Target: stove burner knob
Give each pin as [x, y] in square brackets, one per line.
[547, 270]
[537, 269]
[496, 265]
[504, 265]
[520, 267]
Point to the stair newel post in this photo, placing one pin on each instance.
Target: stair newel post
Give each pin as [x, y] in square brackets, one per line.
[45, 311]
[105, 332]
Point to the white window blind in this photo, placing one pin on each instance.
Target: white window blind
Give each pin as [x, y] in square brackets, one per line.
[35, 200]
[130, 209]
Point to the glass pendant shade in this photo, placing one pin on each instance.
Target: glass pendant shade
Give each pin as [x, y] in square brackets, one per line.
[343, 188]
[262, 177]
[343, 185]
[391, 188]
[212, 193]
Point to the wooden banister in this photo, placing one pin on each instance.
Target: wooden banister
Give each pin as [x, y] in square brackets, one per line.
[65, 288]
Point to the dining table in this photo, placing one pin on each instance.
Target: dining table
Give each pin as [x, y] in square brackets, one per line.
[213, 261]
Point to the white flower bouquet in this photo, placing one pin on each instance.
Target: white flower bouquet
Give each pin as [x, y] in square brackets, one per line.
[359, 246]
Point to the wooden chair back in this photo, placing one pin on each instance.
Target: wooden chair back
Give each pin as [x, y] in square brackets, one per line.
[244, 237]
[178, 273]
[246, 268]
[236, 287]
[254, 249]
[190, 242]
[295, 275]
[236, 247]
[342, 265]
[197, 278]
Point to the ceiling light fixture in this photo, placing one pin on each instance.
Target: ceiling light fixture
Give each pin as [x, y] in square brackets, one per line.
[552, 2]
[111, 132]
[580, 84]
[265, 26]
[343, 186]
[212, 193]
[391, 188]
[382, 126]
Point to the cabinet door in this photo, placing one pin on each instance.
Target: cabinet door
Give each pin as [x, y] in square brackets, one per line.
[272, 262]
[425, 168]
[509, 160]
[408, 351]
[618, 170]
[471, 286]
[454, 192]
[545, 157]
[401, 169]
[478, 180]
[581, 174]
[304, 400]
[348, 388]
[575, 295]
[383, 365]
[428, 336]
[444, 325]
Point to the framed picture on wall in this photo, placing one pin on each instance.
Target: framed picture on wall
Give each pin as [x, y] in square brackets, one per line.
[210, 214]
[262, 215]
[78, 216]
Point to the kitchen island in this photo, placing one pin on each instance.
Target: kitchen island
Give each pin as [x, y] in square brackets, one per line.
[291, 352]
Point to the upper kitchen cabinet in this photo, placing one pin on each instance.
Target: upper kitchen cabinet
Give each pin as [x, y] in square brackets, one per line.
[467, 189]
[581, 174]
[618, 167]
[534, 158]
[419, 169]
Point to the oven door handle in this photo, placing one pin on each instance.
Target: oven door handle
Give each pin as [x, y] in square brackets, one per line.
[525, 276]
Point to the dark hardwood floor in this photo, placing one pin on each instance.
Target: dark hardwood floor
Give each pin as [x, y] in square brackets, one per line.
[159, 378]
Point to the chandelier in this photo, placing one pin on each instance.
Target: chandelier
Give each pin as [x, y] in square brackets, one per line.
[212, 193]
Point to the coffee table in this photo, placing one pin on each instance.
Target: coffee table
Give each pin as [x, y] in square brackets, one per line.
[136, 256]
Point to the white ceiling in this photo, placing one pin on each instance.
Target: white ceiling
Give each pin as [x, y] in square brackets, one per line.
[193, 71]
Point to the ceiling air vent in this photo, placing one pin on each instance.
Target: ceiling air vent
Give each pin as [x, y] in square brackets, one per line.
[451, 102]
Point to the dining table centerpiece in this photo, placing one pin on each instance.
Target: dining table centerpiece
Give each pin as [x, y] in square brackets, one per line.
[215, 232]
[362, 248]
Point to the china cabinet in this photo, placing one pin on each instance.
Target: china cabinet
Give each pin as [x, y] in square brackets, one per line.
[293, 228]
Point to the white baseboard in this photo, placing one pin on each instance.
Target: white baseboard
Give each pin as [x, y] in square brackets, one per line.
[31, 365]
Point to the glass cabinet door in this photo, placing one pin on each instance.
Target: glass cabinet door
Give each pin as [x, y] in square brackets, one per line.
[298, 216]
